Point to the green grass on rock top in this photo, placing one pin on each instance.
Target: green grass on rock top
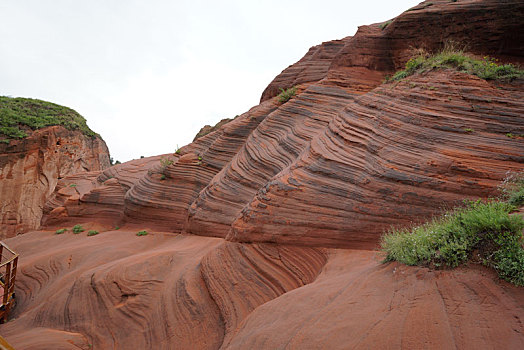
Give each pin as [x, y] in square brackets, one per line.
[19, 115]
[451, 57]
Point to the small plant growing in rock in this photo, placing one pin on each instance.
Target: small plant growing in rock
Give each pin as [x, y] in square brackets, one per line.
[163, 177]
[142, 233]
[60, 231]
[78, 229]
[72, 185]
[117, 227]
[468, 130]
[165, 162]
[385, 24]
[92, 232]
[285, 95]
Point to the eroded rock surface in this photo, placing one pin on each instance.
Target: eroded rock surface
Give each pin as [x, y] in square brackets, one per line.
[165, 291]
[30, 169]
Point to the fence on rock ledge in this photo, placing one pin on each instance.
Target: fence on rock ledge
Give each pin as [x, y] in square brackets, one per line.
[8, 265]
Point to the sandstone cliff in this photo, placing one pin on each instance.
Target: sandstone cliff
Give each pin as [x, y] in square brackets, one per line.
[30, 168]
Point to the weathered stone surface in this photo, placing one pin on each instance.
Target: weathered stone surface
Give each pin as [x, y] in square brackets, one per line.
[30, 169]
[165, 291]
[117, 290]
[393, 156]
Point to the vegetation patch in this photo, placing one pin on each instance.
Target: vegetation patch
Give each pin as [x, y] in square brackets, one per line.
[453, 58]
[385, 24]
[285, 95]
[142, 233]
[19, 115]
[512, 189]
[165, 162]
[60, 231]
[78, 229]
[483, 232]
[92, 232]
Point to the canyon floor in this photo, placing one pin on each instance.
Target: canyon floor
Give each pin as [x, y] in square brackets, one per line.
[119, 290]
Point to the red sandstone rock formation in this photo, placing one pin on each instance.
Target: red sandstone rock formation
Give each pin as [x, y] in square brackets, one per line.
[30, 169]
[280, 190]
[359, 154]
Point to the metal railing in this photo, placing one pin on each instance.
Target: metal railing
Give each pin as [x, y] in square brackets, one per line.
[8, 265]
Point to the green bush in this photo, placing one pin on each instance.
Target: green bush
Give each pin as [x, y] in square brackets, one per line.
[455, 58]
[162, 177]
[480, 230]
[78, 229]
[142, 233]
[285, 95]
[92, 232]
[18, 115]
[60, 231]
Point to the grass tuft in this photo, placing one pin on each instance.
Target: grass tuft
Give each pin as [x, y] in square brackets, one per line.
[60, 231]
[285, 95]
[385, 24]
[78, 229]
[92, 232]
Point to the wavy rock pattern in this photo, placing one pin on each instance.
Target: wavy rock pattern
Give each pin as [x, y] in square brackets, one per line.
[161, 291]
[272, 147]
[394, 155]
[95, 195]
[283, 141]
[158, 291]
[311, 68]
[163, 201]
[242, 277]
[356, 304]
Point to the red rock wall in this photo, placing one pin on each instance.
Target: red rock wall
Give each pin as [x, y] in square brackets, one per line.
[391, 157]
[348, 156]
[30, 169]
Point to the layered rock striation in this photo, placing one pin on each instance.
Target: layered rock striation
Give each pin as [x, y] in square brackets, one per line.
[349, 155]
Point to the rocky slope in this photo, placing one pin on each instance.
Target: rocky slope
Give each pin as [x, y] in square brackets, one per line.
[284, 193]
[30, 169]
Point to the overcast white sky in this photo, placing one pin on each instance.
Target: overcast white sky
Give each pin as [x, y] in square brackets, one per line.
[147, 75]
